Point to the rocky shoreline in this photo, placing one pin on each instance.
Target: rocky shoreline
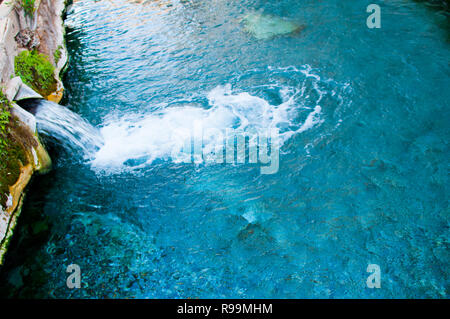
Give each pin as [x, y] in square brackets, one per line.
[37, 30]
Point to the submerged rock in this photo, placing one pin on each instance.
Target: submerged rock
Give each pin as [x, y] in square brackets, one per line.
[263, 26]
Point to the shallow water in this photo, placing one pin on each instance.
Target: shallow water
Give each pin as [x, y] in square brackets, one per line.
[363, 172]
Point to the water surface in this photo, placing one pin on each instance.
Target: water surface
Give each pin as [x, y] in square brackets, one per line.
[366, 183]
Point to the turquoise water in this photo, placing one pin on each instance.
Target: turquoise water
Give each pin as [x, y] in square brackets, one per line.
[365, 183]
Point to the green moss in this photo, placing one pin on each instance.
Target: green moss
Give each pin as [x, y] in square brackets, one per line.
[57, 54]
[28, 7]
[12, 154]
[36, 71]
[5, 116]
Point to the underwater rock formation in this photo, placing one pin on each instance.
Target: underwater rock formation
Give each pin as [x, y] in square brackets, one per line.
[264, 27]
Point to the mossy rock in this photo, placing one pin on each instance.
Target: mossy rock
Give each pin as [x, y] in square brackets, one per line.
[36, 71]
[13, 139]
[58, 53]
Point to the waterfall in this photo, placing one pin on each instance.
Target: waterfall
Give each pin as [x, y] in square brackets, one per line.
[64, 127]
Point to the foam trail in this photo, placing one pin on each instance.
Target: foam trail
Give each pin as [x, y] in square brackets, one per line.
[138, 140]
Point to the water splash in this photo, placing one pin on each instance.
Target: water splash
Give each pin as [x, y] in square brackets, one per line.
[292, 107]
[139, 140]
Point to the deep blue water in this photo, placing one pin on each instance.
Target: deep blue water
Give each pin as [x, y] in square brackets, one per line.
[367, 183]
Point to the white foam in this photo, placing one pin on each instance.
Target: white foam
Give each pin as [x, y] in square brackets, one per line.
[312, 120]
[138, 140]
